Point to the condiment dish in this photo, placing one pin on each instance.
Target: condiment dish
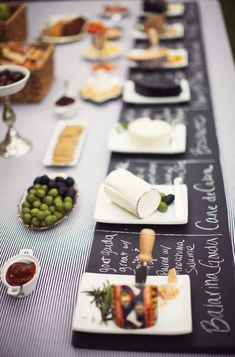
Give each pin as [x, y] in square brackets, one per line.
[19, 291]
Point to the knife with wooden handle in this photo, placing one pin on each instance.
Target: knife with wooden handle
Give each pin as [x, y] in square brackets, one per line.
[146, 243]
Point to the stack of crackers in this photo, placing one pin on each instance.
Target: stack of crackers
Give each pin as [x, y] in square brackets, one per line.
[66, 144]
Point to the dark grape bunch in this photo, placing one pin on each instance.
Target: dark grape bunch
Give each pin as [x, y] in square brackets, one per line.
[48, 201]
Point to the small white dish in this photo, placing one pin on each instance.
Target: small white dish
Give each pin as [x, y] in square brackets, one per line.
[130, 95]
[47, 161]
[66, 111]
[19, 291]
[165, 64]
[13, 88]
[43, 37]
[108, 212]
[174, 317]
[119, 142]
[178, 29]
[90, 53]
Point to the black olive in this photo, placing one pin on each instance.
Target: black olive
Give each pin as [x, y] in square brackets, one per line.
[37, 180]
[44, 180]
[168, 199]
[63, 191]
[59, 179]
[69, 181]
[71, 192]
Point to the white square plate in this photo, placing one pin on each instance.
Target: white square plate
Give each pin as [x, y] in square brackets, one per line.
[130, 95]
[178, 28]
[47, 161]
[172, 52]
[174, 317]
[108, 212]
[119, 142]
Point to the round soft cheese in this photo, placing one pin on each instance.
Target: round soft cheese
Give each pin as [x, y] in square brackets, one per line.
[157, 86]
[144, 132]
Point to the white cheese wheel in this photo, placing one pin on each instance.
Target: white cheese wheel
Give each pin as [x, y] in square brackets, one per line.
[132, 193]
[144, 132]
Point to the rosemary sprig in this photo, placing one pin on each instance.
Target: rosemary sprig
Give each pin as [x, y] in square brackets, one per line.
[102, 299]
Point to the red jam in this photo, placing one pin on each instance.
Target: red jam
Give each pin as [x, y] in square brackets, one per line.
[63, 101]
[20, 273]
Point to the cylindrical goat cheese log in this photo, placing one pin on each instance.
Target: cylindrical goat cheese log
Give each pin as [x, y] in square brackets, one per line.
[132, 193]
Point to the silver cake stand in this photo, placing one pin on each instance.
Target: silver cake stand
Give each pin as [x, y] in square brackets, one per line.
[13, 145]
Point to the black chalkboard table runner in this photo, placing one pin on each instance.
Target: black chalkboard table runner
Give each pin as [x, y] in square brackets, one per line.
[201, 248]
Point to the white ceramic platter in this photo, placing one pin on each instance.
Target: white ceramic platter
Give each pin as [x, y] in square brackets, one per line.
[130, 95]
[108, 212]
[119, 142]
[174, 317]
[59, 39]
[178, 29]
[47, 161]
[167, 65]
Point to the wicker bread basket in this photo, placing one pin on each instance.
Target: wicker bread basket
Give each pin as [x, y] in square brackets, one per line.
[15, 28]
[41, 77]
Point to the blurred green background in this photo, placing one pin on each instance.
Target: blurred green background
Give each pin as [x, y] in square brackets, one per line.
[228, 7]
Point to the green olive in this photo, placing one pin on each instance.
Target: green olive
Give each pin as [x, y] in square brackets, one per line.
[68, 206]
[58, 215]
[59, 206]
[48, 200]
[31, 198]
[43, 207]
[37, 204]
[35, 222]
[50, 220]
[26, 218]
[26, 210]
[53, 192]
[163, 207]
[26, 204]
[52, 209]
[41, 215]
[68, 199]
[40, 193]
[34, 211]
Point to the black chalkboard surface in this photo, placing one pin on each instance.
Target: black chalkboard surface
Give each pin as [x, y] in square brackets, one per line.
[202, 247]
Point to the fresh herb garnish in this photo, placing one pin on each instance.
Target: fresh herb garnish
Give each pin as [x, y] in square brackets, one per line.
[102, 299]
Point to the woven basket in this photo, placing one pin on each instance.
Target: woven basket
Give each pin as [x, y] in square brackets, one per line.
[15, 28]
[40, 79]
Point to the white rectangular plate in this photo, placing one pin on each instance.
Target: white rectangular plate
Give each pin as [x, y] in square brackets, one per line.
[108, 212]
[119, 142]
[59, 39]
[47, 161]
[174, 317]
[178, 28]
[172, 52]
[130, 95]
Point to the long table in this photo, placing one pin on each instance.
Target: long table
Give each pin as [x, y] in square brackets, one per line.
[41, 323]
